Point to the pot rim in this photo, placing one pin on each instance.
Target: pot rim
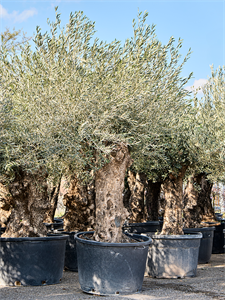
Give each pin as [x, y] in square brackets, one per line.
[34, 239]
[146, 241]
[62, 231]
[210, 228]
[193, 235]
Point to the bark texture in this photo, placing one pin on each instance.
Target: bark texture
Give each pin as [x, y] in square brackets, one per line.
[5, 205]
[152, 200]
[29, 205]
[80, 206]
[197, 202]
[137, 184]
[173, 190]
[109, 185]
[54, 196]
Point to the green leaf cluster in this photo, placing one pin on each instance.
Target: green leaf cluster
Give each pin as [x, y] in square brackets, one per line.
[66, 104]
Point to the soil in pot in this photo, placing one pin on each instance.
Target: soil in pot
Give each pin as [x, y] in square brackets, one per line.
[173, 256]
[205, 249]
[32, 260]
[111, 268]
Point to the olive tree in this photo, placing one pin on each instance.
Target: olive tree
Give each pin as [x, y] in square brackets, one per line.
[30, 81]
[209, 138]
[88, 109]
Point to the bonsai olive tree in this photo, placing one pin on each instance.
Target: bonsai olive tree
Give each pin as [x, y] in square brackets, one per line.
[30, 81]
[82, 107]
[10, 41]
[167, 154]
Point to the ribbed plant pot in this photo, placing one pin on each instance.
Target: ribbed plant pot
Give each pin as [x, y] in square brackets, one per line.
[218, 216]
[2, 230]
[150, 226]
[71, 251]
[111, 268]
[58, 224]
[173, 256]
[205, 249]
[32, 261]
[218, 238]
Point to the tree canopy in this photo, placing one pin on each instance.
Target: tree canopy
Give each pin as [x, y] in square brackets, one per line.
[67, 103]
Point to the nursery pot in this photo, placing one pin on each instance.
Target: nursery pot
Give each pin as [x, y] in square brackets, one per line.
[150, 226]
[32, 260]
[71, 251]
[2, 230]
[218, 239]
[111, 268]
[58, 224]
[205, 249]
[173, 256]
[218, 216]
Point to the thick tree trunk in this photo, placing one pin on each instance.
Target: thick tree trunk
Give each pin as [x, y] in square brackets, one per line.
[207, 210]
[137, 184]
[197, 202]
[173, 190]
[191, 209]
[126, 198]
[109, 184]
[30, 202]
[152, 200]
[54, 201]
[5, 205]
[80, 206]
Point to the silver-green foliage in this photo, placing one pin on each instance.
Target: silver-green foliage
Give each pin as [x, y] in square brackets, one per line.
[66, 104]
[209, 131]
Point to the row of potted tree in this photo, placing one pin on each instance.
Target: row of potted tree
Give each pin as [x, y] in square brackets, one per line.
[74, 106]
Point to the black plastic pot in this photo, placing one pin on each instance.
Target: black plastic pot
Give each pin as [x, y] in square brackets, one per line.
[218, 216]
[32, 261]
[206, 244]
[2, 230]
[173, 256]
[218, 238]
[58, 224]
[71, 251]
[111, 268]
[150, 226]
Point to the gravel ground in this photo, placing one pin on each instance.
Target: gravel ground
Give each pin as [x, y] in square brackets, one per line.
[209, 284]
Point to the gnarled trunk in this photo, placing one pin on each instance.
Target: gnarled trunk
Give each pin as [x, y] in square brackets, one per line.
[5, 205]
[29, 205]
[137, 184]
[197, 201]
[152, 200]
[80, 206]
[207, 210]
[54, 196]
[173, 190]
[109, 184]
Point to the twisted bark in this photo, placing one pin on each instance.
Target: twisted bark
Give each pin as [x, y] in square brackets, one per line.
[152, 200]
[173, 190]
[137, 184]
[29, 205]
[109, 185]
[5, 205]
[197, 202]
[80, 206]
